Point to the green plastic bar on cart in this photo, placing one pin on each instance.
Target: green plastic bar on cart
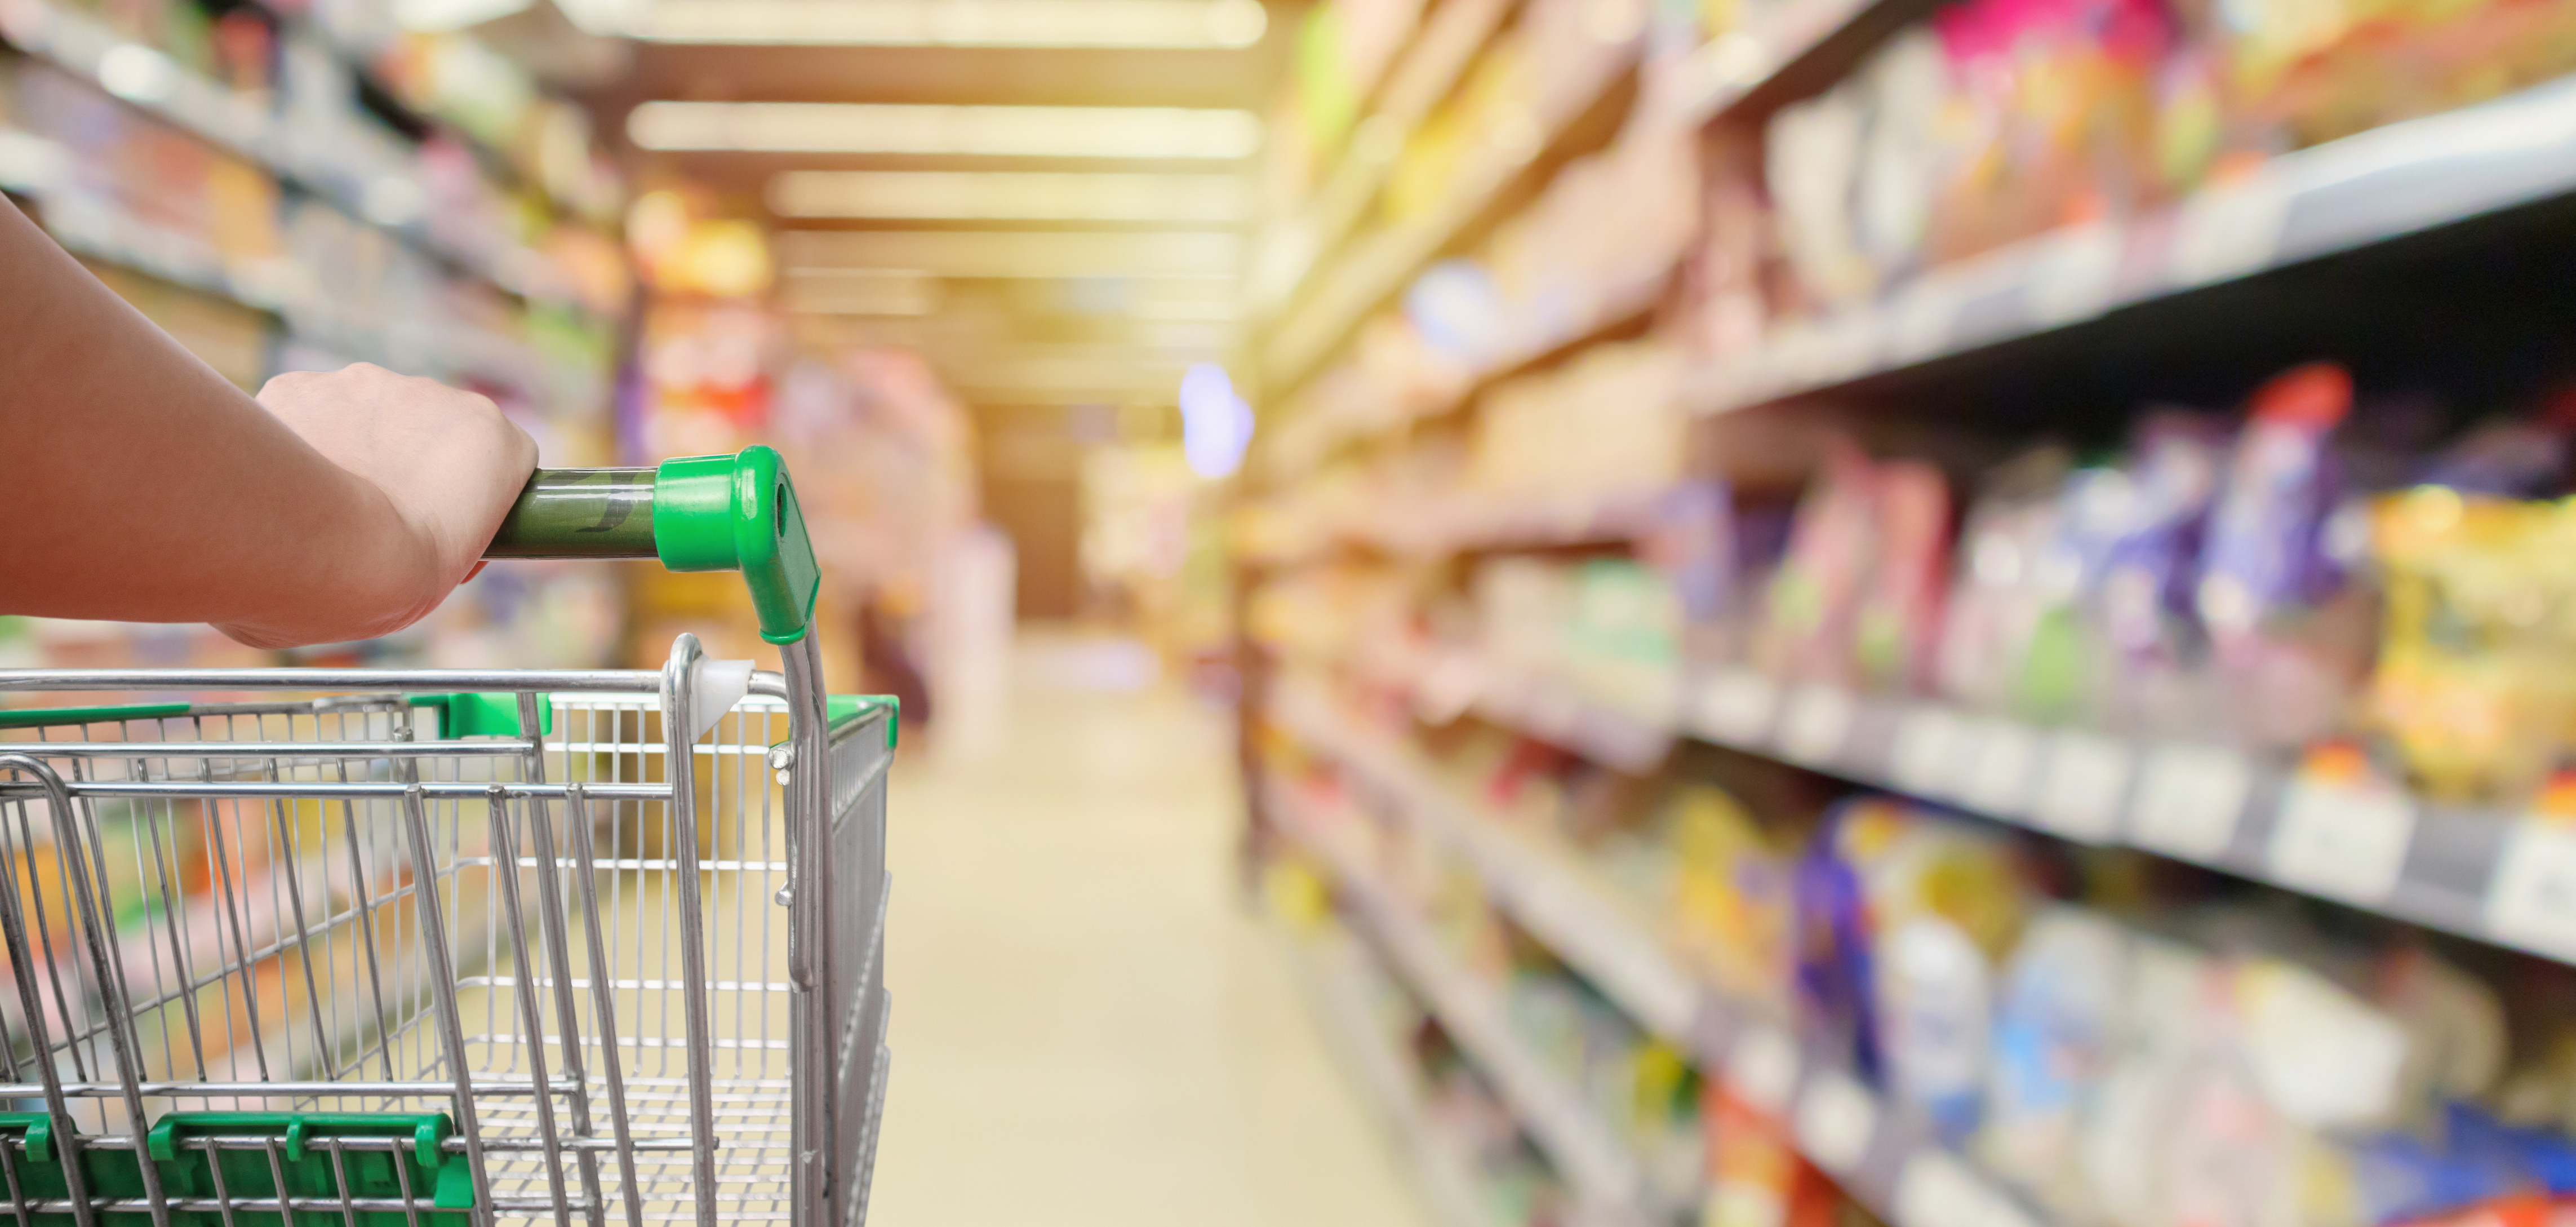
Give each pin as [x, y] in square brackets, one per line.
[35, 717]
[432, 1177]
[487, 713]
[696, 513]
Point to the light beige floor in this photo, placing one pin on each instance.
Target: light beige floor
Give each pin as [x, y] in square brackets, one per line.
[1089, 1024]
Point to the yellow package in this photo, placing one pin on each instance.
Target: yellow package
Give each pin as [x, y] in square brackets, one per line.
[2476, 685]
[1730, 903]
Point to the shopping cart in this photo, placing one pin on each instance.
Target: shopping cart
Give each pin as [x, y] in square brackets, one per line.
[452, 948]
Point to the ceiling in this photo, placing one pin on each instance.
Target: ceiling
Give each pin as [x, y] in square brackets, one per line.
[1011, 311]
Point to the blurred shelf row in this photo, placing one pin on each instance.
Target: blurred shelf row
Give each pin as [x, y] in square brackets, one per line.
[1880, 1153]
[1510, 234]
[2483, 873]
[2134, 436]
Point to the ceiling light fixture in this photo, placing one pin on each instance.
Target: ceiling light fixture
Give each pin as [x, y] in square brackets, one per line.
[1182, 25]
[972, 196]
[952, 253]
[991, 131]
[852, 291]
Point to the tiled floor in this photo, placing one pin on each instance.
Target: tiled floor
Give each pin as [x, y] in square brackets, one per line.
[1090, 1026]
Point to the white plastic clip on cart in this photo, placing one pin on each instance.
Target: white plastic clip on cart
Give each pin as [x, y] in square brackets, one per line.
[436, 948]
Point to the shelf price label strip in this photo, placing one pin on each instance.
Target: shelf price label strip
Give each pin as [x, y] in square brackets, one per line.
[1604, 1175]
[1838, 1122]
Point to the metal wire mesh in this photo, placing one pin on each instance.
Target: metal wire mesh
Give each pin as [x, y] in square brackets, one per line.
[321, 906]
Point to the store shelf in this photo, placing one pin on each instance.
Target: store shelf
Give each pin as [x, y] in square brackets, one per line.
[361, 62]
[1884, 1156]
[1606, 1179]
[154, 83]
[2481, 874]
[1447, 682]
[2341, 196]
[1382, 264]
[2495, 877]
[1324, 967]
[32, 166]
[1534, 521]
[1590, 931]
[1305, 441]
[1428, 71]
[1732, 66]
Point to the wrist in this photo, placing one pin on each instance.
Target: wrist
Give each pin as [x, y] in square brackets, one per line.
[365, 572]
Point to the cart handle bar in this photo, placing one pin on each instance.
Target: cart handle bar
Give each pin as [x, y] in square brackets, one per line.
[695, 513]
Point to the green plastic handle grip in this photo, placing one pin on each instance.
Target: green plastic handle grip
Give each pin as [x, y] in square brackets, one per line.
[695, 513]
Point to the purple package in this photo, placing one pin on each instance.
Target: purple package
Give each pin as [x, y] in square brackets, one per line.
[2289, 639]
[2266, 551]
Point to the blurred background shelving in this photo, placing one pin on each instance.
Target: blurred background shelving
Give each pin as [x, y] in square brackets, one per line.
[1936, 563]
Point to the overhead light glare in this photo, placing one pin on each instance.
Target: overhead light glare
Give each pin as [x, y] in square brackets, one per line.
[971, 196]
[1151, 25]
[870, 292]
[983, 254]
[1142, 133]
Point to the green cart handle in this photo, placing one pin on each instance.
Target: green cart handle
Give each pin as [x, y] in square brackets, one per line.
[696, 513]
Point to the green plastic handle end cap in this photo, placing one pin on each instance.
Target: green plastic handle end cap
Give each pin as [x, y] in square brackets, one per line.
[738, 513]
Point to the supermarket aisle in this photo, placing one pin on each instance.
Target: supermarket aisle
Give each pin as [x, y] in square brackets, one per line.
[1090, 1027]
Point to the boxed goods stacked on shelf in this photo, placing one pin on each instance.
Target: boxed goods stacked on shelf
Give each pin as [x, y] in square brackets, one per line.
[251, 179]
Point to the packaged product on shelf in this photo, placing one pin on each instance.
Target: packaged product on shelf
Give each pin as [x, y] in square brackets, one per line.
[2472, 687]
[1858, 591]
[1993, 121]
[2288, 632]
[2051, 106]
[1731, 904]
[1814, 596]
[1852, 173]
[1455, 320]
[1484, 123]
[1731, 282]
[1515, 1186]
[1903, 916]
[1756, 1177]
[1602, 428]
[1898, 615]
[1522, 606]
[2058, 1015]
[2139, 529]
[1622, 641]
[1712, 552]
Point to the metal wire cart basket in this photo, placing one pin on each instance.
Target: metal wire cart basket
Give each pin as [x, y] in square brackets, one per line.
[436, 948]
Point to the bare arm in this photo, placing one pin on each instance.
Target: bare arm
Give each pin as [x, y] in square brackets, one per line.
[137, 484]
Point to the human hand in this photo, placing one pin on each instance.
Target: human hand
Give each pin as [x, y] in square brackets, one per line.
[438, 469]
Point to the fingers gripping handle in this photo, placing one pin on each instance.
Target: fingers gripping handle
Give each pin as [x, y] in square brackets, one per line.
[696, 513]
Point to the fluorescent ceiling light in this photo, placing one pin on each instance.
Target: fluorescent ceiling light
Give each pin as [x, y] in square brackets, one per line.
[1184, 312]
[996, 131]
[964, 195]
[444, 15]
[856, 291]
[1120, 24]
[1033, 370]
[1016, 254]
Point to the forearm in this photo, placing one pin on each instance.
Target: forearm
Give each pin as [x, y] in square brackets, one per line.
[136, 484]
